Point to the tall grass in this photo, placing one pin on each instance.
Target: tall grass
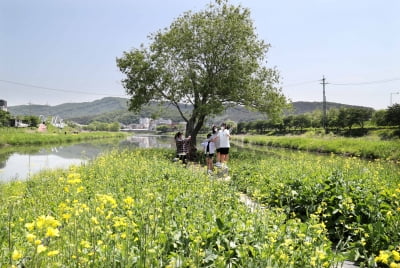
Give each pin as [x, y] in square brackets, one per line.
[10, 136]
[360, 147]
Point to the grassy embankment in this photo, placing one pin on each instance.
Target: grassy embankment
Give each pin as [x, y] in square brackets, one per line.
[12, 136]
[365, 147]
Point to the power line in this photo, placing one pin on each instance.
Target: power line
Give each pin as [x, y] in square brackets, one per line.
[344, 84]
[57, 89]
[366, 83]
[301, 83]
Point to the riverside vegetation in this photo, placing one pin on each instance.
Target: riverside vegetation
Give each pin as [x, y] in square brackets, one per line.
[137, 208]
[356, 200]
[12, 136]
[366, 147]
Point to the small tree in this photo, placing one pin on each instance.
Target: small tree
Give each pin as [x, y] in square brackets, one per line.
[379, 118]
[241, 127]
[4, 118]
[301, 121]
[211, 60]
[358, 116]
[316, 118]
[393, 115]
[288, 121]
[114, 127]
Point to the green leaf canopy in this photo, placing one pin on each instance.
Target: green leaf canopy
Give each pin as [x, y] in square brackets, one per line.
[211, 59]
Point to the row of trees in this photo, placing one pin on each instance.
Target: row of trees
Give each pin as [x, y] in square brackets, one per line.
[7, 120]
[101, 126]
[336, 119]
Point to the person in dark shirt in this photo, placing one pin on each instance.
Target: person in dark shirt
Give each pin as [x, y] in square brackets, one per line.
[182, 146]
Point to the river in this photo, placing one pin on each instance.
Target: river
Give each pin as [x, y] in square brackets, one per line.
[19, 163]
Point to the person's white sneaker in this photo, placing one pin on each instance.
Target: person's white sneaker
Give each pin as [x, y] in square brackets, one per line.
[218, 164]
[209, 172]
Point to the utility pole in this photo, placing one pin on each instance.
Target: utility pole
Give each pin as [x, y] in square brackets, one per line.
[324, 103]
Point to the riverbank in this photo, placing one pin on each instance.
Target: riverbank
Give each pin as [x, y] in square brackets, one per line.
[364, 147]
[12, 136]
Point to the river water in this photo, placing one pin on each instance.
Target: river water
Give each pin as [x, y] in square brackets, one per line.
[19, 163]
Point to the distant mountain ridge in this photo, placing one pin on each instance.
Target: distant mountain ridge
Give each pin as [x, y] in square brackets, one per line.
[71, 110]
[111, 109]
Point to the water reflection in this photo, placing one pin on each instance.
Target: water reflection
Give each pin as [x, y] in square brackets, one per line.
[18, 163]
[151, 141]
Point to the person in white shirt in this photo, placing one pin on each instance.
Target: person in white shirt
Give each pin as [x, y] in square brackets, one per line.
[224, 144]
[209, 150]
[215, 137]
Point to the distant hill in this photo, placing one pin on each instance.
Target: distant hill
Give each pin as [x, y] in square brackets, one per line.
[113, 109]
[70, 110]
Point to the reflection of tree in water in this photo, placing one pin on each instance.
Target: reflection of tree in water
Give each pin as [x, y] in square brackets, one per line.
[3, 158]
[7, 151]
[151, 141]
[87, 150]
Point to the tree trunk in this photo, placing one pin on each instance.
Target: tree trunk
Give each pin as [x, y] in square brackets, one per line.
[192, 129]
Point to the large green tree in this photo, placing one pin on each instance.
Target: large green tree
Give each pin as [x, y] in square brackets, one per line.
[211, 59]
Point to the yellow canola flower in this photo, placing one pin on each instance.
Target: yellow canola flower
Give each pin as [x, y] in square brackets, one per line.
[30, 226]
[119, 221]
[94, 220]
[53, 253]
[396, 255]
[129, 201]
[74, 178]
[383, 257]
[80, 189]
[30, 237]
[66, 216]
[47, 221]
[41, 248]
[51, 232]
[85, 244]
[394, 265]
[16, 255]
[106, 199]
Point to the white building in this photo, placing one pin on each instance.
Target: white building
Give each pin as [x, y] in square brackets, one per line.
[145, 122]
[162, 121]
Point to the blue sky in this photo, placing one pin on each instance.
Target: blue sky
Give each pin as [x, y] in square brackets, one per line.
[67, 48]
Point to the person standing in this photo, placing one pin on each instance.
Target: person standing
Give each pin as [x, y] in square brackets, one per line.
[182, 146]
[209, 150]
[224, 144]
[215, 136]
